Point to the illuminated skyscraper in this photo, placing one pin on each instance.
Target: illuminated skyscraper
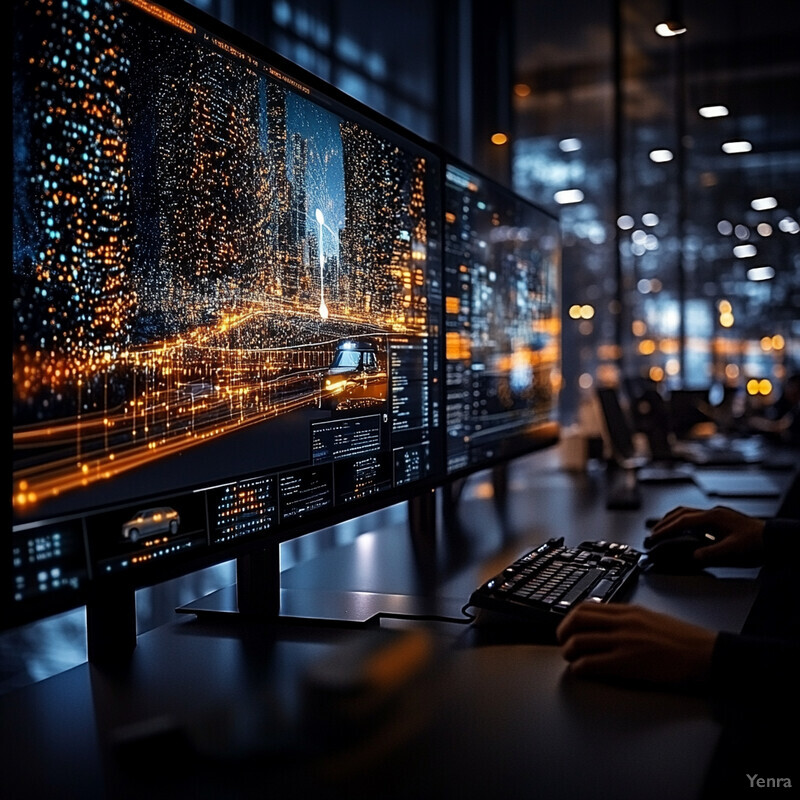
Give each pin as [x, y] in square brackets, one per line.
[384, 222]
[71, 198]
[208, 166]
[278, 219]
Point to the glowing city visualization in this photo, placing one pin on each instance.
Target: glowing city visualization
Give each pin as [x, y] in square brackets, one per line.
[193, 237]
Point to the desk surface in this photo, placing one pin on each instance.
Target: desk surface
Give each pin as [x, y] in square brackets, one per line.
[484, 716]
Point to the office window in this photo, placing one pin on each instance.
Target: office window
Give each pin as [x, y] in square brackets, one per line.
[563, 158]
[678, 164]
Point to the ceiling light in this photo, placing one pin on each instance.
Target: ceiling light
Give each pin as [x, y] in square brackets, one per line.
[763, 203]
[625, 222]
[566, 196]
[712, 111]
[789, 225]
[670, 27]
[760, 273]
[661, 156]
[737, 147]
[569, 145]
[744, 250]
[764, 229]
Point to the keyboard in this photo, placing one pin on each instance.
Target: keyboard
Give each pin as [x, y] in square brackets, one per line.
[541, 586]
[720, 451]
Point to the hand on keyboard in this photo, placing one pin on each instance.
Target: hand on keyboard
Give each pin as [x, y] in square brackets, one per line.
[627, 642]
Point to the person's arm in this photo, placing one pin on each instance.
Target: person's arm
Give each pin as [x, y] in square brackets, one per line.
[630, 643]
[781, 538]
[753, 674]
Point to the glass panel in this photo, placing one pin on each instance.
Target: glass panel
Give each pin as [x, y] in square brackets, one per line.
[709, 254]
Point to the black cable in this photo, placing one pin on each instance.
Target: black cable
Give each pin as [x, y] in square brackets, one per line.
[468, 618]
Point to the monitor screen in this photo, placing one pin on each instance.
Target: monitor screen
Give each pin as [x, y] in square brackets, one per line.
[226, 300]
[502, 262]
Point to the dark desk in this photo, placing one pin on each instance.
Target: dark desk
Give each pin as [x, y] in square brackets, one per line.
[484, 718]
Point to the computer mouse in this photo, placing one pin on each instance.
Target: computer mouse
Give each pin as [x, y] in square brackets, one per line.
[672, 555]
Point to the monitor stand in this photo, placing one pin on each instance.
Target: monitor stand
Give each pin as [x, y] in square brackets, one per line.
[258, 594]
[111, 625]
[622, 490]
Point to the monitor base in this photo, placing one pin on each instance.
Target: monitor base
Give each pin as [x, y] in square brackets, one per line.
[324, 607]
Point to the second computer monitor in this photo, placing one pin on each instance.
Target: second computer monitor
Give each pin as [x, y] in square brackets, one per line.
[502, 272]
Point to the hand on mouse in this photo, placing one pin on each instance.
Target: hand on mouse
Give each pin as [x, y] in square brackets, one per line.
[739, 537]
[628, 642]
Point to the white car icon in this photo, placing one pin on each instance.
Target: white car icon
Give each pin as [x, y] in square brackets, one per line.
[150, 522]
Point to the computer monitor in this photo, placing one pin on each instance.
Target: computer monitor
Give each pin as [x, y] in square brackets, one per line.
[502, 273]
[617, 429]
[226, 302]
[689, 408]
[650, 416]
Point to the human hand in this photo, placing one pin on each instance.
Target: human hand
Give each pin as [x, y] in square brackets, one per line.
[628, 642]
[739, 537]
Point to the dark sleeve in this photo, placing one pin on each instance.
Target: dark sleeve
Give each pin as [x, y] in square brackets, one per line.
[740, 658]
[762, 661]
[753, 687]
[754, 673]
[781, 540]
[750, 673]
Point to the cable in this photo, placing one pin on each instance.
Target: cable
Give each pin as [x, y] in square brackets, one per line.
[468, 618]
